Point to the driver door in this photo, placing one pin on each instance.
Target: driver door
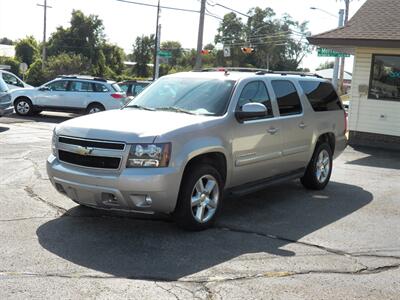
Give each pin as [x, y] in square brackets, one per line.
[257, 143]
[54, 94]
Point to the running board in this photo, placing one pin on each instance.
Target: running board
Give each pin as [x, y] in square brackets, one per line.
[255, 186]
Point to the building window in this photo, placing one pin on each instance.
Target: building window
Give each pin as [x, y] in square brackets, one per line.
[385, 77]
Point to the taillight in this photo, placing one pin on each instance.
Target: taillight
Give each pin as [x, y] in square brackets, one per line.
[345, 121]
[117, 96]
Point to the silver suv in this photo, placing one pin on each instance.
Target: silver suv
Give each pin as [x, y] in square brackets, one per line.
[81, 94]
[191, 138]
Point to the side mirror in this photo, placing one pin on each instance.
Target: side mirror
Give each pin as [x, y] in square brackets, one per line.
[44, 88]
[251, 111]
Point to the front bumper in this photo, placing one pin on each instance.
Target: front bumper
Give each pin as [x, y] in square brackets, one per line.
[127, 191]
[4, 111]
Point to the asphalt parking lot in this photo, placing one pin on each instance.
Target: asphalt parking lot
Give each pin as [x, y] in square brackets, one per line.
[284, 242]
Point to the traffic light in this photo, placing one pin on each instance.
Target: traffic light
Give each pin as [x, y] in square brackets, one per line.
[247, 50]
[205, 52]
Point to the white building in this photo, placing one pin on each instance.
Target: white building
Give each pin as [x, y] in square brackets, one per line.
[373, 37]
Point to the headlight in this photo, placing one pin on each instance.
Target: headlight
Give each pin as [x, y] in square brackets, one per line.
[149, 155]
[53, 143]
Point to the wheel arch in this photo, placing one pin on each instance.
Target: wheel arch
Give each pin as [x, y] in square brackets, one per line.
[327, 137]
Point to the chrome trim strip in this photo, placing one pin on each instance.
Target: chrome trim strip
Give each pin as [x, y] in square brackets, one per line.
[258, 158]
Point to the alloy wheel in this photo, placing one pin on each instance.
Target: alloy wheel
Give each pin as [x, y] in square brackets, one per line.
[205, 197]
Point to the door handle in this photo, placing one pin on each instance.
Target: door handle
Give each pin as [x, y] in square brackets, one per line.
[302, 125]
[272, 130]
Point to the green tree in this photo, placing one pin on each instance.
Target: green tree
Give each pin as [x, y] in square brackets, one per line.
[13, 63]
[27, 50]
[231, 33]
[6, 41]
[176, 50]
[35, 75]
[143, 52]
[326, 65]
[65, 64]
[86, 37]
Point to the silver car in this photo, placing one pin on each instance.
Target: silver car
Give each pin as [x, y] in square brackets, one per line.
[6, 107]
[79, 94]
[191, 138]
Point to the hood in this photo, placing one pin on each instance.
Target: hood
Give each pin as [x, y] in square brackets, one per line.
[128, 125]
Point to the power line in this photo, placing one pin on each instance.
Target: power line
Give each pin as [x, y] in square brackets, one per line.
[228, 8]
[166, 7]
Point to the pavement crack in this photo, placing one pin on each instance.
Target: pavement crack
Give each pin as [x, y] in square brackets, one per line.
[168, 290]
[24, 219]
[36, 197]
[307, 244]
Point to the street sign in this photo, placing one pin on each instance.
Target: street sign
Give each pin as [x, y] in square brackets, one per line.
[331, 53]
[227, 52]
[23, 67]
[165, 54]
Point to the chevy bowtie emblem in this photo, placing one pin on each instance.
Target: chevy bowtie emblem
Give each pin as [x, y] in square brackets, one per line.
[84, 150]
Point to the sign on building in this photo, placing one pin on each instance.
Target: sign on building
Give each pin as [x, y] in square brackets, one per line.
[331, 53]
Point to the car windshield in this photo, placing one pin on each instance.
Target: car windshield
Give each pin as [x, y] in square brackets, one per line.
[202, 96]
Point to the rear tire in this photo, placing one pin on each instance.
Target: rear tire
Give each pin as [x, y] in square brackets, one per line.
[200, 198]
[23, 106]
[94, 108]
[319, 169]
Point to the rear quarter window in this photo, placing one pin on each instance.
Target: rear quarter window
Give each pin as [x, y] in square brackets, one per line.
[321, 95]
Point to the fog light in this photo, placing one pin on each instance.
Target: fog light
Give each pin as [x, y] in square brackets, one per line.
[148, 200]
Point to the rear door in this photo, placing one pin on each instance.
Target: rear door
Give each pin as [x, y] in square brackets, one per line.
[80, 94]
[297, 129]
[256, 143]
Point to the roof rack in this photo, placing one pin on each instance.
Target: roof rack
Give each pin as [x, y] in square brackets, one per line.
[259, 71]
[87, 77]
[236, 69]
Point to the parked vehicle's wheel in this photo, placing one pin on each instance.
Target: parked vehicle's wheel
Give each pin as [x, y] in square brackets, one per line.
[319, 169]
[23, 106]
[200, 198]
[94, 108]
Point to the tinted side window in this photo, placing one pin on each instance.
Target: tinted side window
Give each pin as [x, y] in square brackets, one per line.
[321, 95]
[98, 87]
[10, 79]
[255, 91]
[81, 86]
[287, 97]
[59, 85]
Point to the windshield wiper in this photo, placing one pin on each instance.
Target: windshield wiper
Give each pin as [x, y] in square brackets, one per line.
[175, 109]
[140, 107]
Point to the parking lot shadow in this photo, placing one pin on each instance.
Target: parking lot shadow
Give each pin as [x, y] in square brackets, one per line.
[152, 249]
[378, 158]
[2, 129]
[43, 117]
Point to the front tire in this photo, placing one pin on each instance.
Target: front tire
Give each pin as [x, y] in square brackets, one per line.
[319, 169]
[200, 198]
[23, 107]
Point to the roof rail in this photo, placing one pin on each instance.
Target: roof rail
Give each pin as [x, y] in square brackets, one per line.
[87, 77]
[235, 69]
[259, 71]
[284, 73]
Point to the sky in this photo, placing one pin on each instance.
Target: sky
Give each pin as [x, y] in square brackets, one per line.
[124, 22]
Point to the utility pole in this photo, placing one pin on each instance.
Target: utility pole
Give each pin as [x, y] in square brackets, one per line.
[157, 64]
[156, 45]
[200, 35]
[45, 7]
[342, 60]
[336, 66]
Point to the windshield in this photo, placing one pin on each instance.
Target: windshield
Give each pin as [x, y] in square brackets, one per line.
[203, 96]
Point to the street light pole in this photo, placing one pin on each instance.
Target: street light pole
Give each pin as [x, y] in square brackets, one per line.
[200, 35]
[336, 66]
